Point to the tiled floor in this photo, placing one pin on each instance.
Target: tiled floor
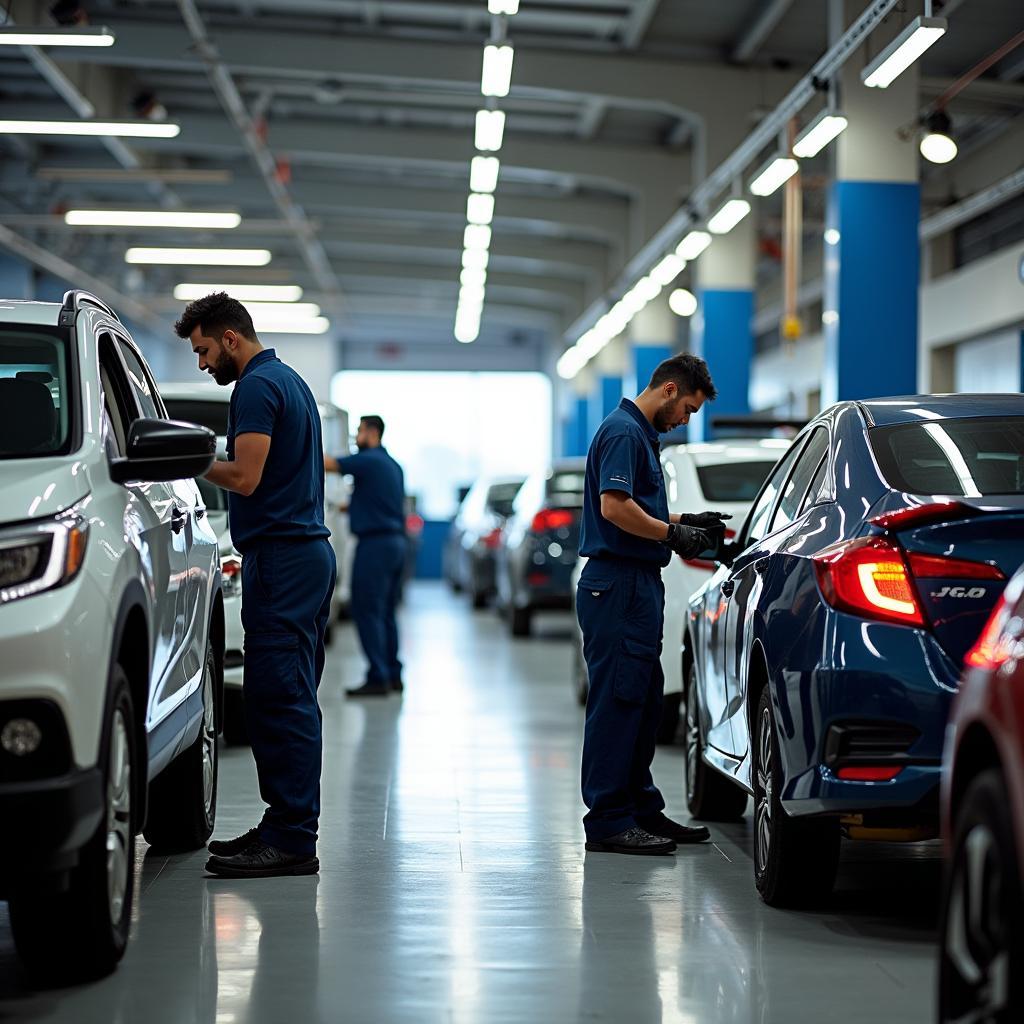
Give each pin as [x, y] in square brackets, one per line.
[454, 885]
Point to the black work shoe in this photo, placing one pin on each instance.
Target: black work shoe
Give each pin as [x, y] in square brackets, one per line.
[261, 861]
[659, 825]
[397, 685]
[633, 840]
[369, 690]
[229, 847]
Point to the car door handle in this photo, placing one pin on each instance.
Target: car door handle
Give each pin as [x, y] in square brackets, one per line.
[728, 586]
[178, 517]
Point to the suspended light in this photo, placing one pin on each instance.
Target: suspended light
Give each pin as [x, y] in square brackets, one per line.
[731, 212]
[490, 130]
[693, 245]
[480, 209]
[819, 133]
[150, 219]
[475, 259]
[682, 302]
[832, 236]
[483, 173]
[773, 175]
[18, 35]
[476, 236]
[508, 7]
[906, 48]
[196, 257]
[471, 295]
[496, 77]
[467, 326]
[668, 269]
[106, 129]
[472, 276]
[242, 292]
[937, 144]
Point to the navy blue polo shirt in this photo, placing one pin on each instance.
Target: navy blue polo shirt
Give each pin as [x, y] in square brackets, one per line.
[288, 503]
[624, 457]
[378, 499]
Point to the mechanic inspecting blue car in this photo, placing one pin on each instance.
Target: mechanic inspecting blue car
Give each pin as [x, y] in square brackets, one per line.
[628, 537]
[274, 477]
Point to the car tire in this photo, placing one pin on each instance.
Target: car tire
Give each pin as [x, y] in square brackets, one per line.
[80, 933]
[981, 969]
[522, 621]
[795, 860]
[236, 732]
[183, 797]
[710, 796]
[668, 726]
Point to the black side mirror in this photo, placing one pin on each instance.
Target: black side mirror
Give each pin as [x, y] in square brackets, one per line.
[161, 450]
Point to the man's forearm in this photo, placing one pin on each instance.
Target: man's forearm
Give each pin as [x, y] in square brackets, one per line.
[627, 515]
[229, 476]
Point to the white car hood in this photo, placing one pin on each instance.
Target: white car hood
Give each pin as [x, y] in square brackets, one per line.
[39, 488]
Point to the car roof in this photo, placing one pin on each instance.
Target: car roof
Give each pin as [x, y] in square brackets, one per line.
[24, 311]
[706, 453]
[885, 412]
[198, 390]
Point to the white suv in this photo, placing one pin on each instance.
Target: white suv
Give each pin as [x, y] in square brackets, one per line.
[111, 631]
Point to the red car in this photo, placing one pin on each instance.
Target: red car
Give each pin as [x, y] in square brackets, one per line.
[981, 975]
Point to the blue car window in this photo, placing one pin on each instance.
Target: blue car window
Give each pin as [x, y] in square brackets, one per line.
[797, 484]
[757, 524]
[816, 490]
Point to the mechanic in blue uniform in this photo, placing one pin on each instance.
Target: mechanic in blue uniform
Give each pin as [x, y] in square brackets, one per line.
[274, 477]
[628, 537]
[377, 518]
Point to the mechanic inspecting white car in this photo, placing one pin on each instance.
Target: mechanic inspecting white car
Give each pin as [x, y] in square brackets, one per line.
[274, 477]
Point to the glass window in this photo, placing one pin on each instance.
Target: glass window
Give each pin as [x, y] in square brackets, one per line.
[566, 487]
[797, 484]
[35, 393]
[141, 383]
[733, 481]
[118, 410]
[814, 492]
[501, 496]
[757, 524]
[966, 457]
[209, 414]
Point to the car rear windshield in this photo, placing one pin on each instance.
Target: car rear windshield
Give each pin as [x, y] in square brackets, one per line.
[213, 415]
[565, 487]
[733, 481]
[35, 393]
[501, 496]
[965, 457]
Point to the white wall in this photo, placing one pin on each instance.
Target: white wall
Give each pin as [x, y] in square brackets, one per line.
[988, 364]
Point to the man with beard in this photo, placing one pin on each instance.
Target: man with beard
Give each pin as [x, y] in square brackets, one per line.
[628, 537]
[274, 476]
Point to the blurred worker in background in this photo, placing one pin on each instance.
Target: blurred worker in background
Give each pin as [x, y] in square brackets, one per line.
[628, 537]
[377, 518]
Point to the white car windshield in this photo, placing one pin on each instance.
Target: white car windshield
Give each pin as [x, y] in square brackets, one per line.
[35, 414]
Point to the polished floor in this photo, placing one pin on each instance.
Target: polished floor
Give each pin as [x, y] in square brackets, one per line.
[454, 885]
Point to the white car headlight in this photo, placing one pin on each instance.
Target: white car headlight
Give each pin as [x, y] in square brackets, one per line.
[41, 556]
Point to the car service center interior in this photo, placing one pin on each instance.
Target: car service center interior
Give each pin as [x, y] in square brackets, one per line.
[446, 445]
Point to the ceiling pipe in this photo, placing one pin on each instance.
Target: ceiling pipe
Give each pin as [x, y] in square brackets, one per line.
[231, 100]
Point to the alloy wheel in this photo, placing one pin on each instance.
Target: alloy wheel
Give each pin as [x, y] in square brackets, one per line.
[976, 931]
[763, 814]
[119, 817]
[209, 740]
[692, 744]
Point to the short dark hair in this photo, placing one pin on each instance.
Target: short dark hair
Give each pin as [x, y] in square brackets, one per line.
[688, 372]
[214, 314]
[374, 423]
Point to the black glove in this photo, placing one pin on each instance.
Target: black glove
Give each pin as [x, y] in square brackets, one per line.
[687, 541]
[711, 521]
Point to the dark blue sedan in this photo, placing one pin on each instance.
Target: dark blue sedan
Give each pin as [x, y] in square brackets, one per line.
[822, 655]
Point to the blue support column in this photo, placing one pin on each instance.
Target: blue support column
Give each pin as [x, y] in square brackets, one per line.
[724, 336]
[603, 399]
[15, 278]
[643, 361]
[871, 291]
[574, 429]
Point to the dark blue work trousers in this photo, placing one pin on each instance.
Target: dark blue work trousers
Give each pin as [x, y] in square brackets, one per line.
[621, 610]
[376, 588]
[286, 605]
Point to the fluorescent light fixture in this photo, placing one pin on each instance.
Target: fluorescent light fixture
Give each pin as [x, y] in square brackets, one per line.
[467, 325]
[106, 129]
[283, 310]
[151, 219]
[938, 147]
[480, 208]
[473, 277]
[570, 363]
[728, 215]
[490, 130]
[476, 236]
[668, 269]
[197, 257]
[475, 259]
[829, 317]
[682, 302]
[772, 175]
[20, 35]
[818, 134]
[483, 173]
[242, 292]
[906, 48]
[832, 236]
[471, 295]
[496, 78]
[693, 245]
[509, 7]
[590, 344]
[316, 325]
